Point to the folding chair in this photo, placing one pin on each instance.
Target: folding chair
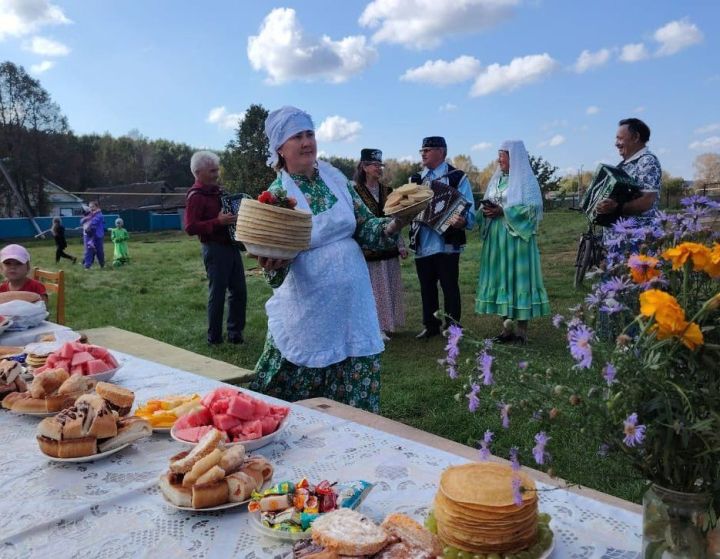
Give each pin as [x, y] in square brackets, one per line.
[55, 283]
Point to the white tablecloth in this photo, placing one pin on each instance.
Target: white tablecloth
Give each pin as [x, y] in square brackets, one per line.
[112, 508]
[24, 337]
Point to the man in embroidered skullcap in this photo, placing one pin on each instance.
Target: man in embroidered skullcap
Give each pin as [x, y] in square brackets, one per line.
[323, 334]
[510, 283]
[383, 265]
[437, 256]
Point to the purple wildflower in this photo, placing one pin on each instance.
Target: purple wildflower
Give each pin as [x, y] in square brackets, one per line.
[557, 320]
[517, 493]
[615, 285]
[453, 351]
[625, 226]
[505, 414]
[473, 400]
[484, 365]
[579, 339]
[609, 373]
[634, 433]
[541, 439]
[522, 365]
[603, 450]
[485, 445]
[514, 460]
[487, 344]
[611, 306]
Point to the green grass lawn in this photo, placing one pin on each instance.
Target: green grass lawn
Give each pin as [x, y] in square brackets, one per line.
[162, 294]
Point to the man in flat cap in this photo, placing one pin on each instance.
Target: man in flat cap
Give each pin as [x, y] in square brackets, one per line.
[437, 256]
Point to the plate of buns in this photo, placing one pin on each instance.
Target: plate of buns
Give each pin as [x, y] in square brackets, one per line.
[48, 393]
[93, 426]
[212, 476]
[92, 457]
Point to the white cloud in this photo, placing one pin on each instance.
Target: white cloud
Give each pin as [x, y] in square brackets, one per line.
[588, 60]
[338, 129]
[224, 119]
[556, 140]
[661, 151]
[557, 123]
[448, 107]
[639, 109]
[441, 72]
[592, 110]
[676, 36]
[634, 52]
[708, 128]
[521, 71]
[422, 24]
[22, 17]
[711, 143]
[482, 146]
[46, 47]
[408, 158]
[42, 67]
[285, 53]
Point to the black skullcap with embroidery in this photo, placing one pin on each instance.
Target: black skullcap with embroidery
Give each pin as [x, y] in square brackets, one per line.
[370, 155]
[434, 142]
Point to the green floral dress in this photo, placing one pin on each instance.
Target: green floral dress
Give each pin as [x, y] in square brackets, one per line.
[510, 282]
[354, 381]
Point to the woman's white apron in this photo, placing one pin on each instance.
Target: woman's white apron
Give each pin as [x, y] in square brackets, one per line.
[324, 311]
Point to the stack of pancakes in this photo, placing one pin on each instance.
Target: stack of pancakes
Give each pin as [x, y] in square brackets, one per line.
[407, 196]
[476, 512]
[264, 225]
[36, 360]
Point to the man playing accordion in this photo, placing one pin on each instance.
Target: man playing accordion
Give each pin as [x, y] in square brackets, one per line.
[642, 166]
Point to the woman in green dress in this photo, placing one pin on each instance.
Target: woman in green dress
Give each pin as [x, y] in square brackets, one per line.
[119, 237]
[510, 283]
[323, 333]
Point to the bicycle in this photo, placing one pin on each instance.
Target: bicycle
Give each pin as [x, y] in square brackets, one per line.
[590, 251]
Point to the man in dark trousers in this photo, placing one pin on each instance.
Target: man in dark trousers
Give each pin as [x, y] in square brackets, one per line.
[222, 258]
[437, 256]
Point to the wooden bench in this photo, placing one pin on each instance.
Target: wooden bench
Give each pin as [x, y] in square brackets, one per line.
[170, 355]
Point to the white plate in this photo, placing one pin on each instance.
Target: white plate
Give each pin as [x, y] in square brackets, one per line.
[37, 413]
[107, 375]
[218, 507]
[277, 534]
[90, 458]
[249, 445]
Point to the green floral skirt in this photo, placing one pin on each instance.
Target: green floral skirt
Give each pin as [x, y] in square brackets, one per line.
[354, 381]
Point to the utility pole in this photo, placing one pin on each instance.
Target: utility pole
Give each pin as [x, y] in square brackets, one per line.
[20, 199]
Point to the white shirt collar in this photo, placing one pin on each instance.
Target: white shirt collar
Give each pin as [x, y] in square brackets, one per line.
[438, 171]
[637, 155]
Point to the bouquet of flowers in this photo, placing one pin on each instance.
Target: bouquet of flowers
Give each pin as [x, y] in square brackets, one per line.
[647, 342]
[277, 198]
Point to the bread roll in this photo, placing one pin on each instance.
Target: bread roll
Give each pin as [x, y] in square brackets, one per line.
[209, 494]
[216, 473]
[129, 429]
[232, 459]
[75, 448]
[348, 533]
[419, 542]
[176, 494]
[57, 402]
[22, 402]
[258, 468]
[76, 386]
[47, 382]
[202, 466]
[241, 486]
[118, 398]
[205, 446]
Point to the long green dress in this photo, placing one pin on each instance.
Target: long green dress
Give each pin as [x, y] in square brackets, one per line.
[510, 283]
[354, 381]
[119, 237]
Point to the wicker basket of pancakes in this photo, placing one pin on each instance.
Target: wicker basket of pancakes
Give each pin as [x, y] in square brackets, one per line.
[345, 533]
[211, 474]
[96, 423]
[407, 200]
[475, 509]
[271, 231]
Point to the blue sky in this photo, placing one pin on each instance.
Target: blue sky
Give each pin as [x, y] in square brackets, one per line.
[385, 73]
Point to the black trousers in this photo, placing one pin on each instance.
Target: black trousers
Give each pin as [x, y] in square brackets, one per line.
[224, 267]
[60, 253]
[445, 269]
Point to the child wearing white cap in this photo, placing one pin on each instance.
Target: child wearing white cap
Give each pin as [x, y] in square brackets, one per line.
[15, 268]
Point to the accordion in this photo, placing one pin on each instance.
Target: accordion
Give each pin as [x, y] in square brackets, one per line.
[446, 203]
[608, 182]
[230, 203]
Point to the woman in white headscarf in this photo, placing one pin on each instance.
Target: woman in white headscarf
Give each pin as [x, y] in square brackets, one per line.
[510, 283]
[323, 333]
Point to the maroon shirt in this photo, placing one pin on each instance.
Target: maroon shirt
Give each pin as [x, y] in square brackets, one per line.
[201, 211]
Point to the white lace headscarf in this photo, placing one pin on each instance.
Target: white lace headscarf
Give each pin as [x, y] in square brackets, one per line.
[282, 124]
[523, 187]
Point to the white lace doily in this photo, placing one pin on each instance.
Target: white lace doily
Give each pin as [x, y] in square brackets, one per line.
[112, 508]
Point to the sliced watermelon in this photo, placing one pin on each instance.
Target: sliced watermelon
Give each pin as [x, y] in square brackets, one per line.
[81, 357]
[220, 406]
[269, 424]
[66, 351]
[241, 406]
[252, 430]
[96, 366]
[281, 411]
[260, 408]
[192, 434]
[218, 393]
[198, 418]
[77, 370]
[225, 422]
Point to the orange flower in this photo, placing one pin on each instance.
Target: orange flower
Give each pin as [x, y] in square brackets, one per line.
[692, 336]
[679, 255]
[669, 318]
[643, 268]
[712, 268]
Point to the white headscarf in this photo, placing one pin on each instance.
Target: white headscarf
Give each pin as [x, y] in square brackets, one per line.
[283, 124]
[523, 187]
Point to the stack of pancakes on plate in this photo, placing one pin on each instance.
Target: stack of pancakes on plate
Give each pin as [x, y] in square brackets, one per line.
[476, 512]
[273, 227]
